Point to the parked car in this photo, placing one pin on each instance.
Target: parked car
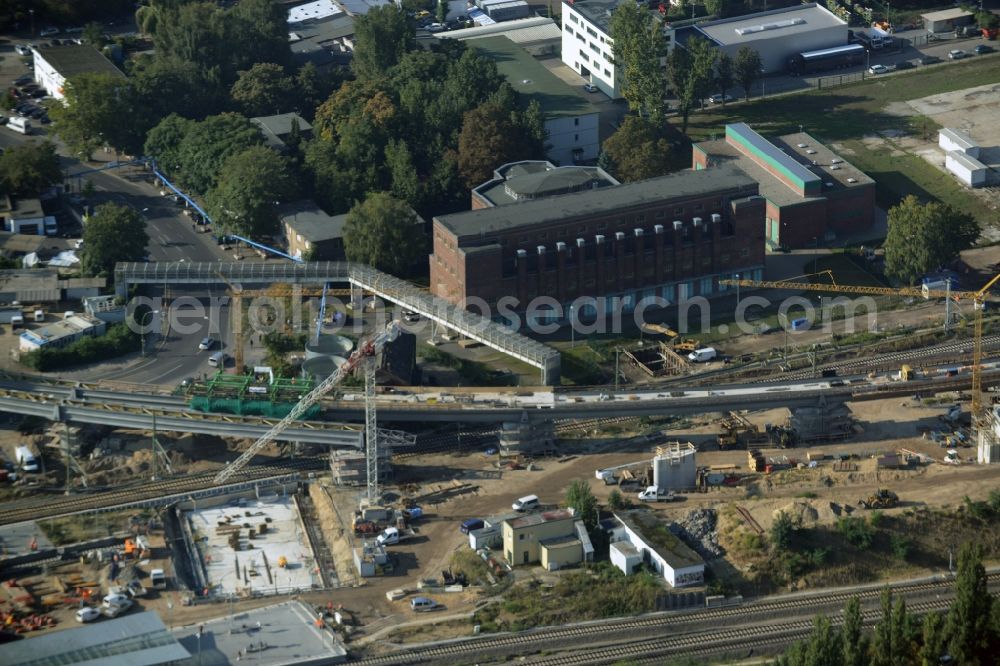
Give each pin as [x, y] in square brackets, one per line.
[983, 48]
[719, 98]
[23, 80]
[113, 599]
[48, 32]
[87, 614]
[114, 610]
[878, 69]
[436, 27]
[422, 604]
[471, 524]
[22, 50]
[905, 64]
[74, 30]
[956, 54]
[206, 343]
[590, 87]
[929, 60]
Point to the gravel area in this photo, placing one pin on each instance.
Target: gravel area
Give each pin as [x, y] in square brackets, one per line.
[697, 529]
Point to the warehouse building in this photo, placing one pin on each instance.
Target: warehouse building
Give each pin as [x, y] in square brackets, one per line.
[812, 193]
[535, 179]
[776, 35]
[62, 333]
[571, 121]
[671, 237]
[638, 537]
[54, 65]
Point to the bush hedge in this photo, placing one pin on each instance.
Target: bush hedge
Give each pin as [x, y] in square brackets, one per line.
[118, 340]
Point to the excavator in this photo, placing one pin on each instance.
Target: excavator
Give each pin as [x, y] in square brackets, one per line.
[679, 344]
[882, 499]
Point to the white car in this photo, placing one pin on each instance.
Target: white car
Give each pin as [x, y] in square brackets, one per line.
[956, 54]
[114, 610]
[878, 69]
[115, 599]
[206, 344]
[78, 244]
[718, 98]
[87, 614]
[22, 50]
[590, 87]
[436, 27]
[48, 32]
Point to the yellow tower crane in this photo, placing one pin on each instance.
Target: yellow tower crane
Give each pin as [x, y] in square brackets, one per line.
[978, 299]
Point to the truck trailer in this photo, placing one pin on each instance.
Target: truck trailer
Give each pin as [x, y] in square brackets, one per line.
[26, 459]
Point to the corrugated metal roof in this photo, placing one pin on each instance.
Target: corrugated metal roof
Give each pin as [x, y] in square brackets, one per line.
[970, 163]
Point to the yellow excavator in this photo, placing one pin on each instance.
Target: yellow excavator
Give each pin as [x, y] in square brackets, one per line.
[679, 344]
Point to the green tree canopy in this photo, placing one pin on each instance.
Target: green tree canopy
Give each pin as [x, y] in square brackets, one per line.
[968, 631]
[854, 641]
[580, 498]
[29, 168]
[747, 68]
[782, 530]
[691, 72]
[384, 233]
[724, 75]
[251, 184]
[194, 152]
[925, 236]
[171, 85]
[638, 45]
[381, 38]
[638, 150]
[113, 233]
[100, 109]
[263, 90]
[492, 135]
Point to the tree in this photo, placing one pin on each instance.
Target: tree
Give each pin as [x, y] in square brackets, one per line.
[491, 135]
[250, 185]
[441, 12]
[113, 233]
[902, 649]
[719, 8]
[171, 85]
[724, 75]
[580, 498]
[263, 90]
[823, 645]
[638, 45]
[932, 640]
[968, 630]
[782, 530]
[854, 642]
[882, 643]
[691, 73]
[100, 109]
[747, 66]
[616, 500]
[637, 151]
[384, 233]
[29, 169]
[924, 236]
[93, 34]
[381, 38]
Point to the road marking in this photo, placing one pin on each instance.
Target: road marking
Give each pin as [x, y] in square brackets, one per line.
[153, 380]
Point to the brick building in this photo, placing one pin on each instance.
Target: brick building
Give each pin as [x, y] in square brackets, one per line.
[672, 237]
[812, 194]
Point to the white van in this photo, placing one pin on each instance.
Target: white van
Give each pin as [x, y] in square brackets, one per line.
[702, 355]
[19, 125]
[422, 604]
[39, 315]
[217, 360]
[526, 503]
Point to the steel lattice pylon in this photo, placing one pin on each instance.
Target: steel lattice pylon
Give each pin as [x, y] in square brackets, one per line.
[371, 430]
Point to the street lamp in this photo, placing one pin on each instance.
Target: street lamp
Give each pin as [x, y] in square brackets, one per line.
[142, 329]
[572, 328]
[32, 13]
[738, 278]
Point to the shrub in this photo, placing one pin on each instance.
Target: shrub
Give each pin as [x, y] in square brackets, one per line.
[781, 531]
[857, 531]
[117, 341]
[899, 546]
[875, 518]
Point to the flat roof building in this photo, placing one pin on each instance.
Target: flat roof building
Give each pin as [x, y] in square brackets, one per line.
[812, 193]
[551, 538]
[671, 237]
[776, 35]
[586, 43]
[538, 35]
[62, 332]
[534, 179]
[54, 65]
[946, 20]
[571, 121]
[137, 639]
[660, 548]
[277, 128]
[311, 232]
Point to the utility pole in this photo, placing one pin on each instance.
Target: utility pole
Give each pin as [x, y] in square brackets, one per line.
[617, 352]
[156, 454]
[947, 304]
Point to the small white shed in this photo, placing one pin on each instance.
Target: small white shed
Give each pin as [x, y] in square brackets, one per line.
[625, 556]
[967, 169]
[950, 139]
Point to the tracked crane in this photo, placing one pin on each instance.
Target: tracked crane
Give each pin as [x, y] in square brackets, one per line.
[364, 355]
[978, 299]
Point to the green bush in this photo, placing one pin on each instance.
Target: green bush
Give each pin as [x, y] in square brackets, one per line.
[857, 531]
[117, 341]
[899, 546]
[875, 518]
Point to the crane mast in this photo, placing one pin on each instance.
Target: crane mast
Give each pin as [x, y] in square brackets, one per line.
[364, 354]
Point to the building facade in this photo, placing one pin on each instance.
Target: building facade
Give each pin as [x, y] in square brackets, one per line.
[671, 237]
[586, 43]
[62, 333]
[571, 121]
[812, 193]
[310, 232]
[549, 534]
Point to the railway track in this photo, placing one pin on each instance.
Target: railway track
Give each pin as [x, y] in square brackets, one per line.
[632, 628]
[57, 505]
